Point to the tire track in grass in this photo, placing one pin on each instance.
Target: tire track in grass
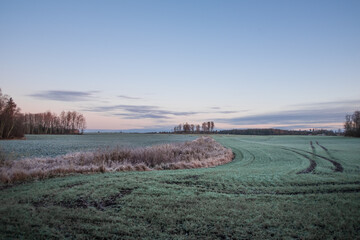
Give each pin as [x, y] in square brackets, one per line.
[322, 146]
[252, 158]
[312, 165]
[309, 169]
[312, 146]
[337, 165]
[331, 157]
[245, 160]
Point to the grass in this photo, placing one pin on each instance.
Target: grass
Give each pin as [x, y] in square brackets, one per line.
[259, 195]
[54, 145]
[202, 152]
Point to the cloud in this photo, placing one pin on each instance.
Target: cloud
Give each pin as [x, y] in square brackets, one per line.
[288, 117]
[330, 104]
[147, 111]
[128, 97]
[138, 111]
[65, 96]
[129, 108]
[220, 111]
[138, 116]
[316, 113]
[227, 112]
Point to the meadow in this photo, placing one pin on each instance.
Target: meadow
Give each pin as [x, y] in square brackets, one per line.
[277, 187]
[54, 145]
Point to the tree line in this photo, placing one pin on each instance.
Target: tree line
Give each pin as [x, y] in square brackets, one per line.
[205, 127]
[352, 125]
[70, 122]
[14, 124]
[272, 131]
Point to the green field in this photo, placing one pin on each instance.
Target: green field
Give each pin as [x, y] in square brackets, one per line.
[277, 187]
[53, 145]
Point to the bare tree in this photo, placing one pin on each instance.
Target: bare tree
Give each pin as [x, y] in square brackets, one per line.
[11, 111]
[352, 124]
[10, 118]
[212, 125]
[186, 127]
[204, 127]
[3, 100]
[47, 122]
[197, 128]
[80, 122]
[192, 128]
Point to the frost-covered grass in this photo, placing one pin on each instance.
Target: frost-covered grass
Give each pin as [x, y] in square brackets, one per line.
[202, 152]
[54, 145]
[258, 195]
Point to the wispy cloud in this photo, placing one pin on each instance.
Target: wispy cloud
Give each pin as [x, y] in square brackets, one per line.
[220, 110]
[65, 96]
[138, 111]
[138, 116]
[330, 104]
[129, 97]
[226, 112]
[316, 113]
[288, 117]
[148, 111]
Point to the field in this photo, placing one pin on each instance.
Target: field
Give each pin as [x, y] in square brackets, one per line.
[280, 187]
[53, 145]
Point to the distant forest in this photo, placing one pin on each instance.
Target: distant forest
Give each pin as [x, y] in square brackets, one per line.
[14, 124]
[208, 127]
[271, 131]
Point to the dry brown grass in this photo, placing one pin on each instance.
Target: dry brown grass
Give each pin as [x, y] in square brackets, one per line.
[202, 152]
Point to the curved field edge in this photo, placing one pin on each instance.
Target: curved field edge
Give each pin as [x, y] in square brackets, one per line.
[199, 153]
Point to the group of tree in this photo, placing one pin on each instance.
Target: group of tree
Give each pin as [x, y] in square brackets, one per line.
[70, 122]
[352, 125]
[14, 124]
[272, 131]
[205, 127]
[11, 120]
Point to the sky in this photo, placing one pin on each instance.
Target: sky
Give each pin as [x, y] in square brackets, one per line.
[150, 65]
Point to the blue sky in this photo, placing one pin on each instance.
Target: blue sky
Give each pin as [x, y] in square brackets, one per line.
[153, 64]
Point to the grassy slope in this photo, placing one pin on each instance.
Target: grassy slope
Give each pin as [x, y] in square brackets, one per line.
[258, 195]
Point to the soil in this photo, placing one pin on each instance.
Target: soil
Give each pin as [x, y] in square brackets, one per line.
[84, 202]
